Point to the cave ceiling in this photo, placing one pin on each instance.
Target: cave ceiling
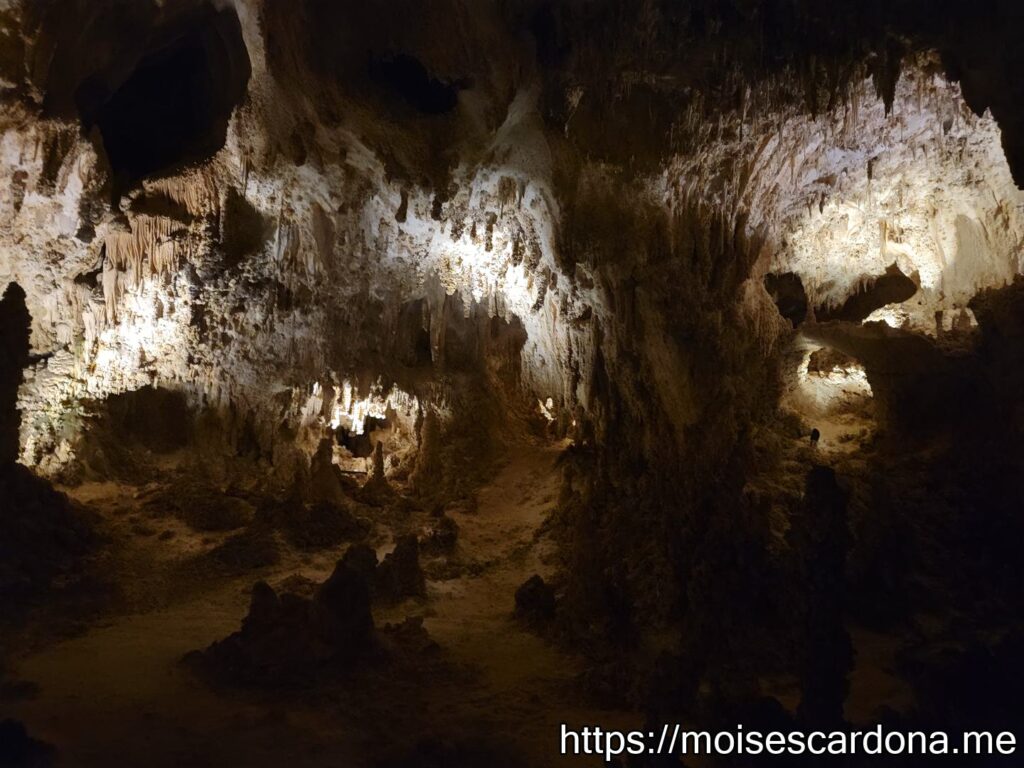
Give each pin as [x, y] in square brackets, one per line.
[243, 200]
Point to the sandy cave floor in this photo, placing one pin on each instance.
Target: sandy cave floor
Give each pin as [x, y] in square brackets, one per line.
[110, 689]
[116, 694]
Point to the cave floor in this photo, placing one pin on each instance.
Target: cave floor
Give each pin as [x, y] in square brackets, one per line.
[115, 693]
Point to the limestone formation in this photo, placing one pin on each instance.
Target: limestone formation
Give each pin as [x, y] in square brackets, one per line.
[428, 472]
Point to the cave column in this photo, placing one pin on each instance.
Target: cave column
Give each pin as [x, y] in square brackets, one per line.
[15, 329]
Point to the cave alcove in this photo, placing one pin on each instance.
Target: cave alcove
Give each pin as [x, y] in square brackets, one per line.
[157, 419]
[412, 343]
[787, 291]
[173, 106]
[408, 78]
[360, 443]
[126, 432]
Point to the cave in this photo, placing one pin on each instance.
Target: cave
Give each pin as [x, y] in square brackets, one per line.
[403, 384]
[360, 443]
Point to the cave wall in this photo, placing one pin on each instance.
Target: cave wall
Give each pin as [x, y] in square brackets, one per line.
[281, 262]
[290, 252]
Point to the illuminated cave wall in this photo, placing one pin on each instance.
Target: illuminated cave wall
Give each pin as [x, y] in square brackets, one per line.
[844, 195]
[255, 274]
[281, 263]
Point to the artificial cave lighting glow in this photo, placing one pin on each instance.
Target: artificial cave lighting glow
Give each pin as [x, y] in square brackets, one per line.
[926, 187]
[351, 412]
[547, 408]
[825, 391]
[893, 316]
[471, 269]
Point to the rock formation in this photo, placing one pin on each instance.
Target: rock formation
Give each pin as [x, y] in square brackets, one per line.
[289, 637]
[15, 324]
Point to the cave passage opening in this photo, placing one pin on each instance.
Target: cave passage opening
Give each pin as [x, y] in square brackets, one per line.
[174, 106]
[407, 77]
[830, 393]
[360, 442]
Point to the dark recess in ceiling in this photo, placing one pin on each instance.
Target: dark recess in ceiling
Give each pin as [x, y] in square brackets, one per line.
[406, 76]
[174, 106]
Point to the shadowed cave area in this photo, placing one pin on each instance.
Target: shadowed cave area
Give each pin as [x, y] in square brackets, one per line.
[399, 384]
[167, 105]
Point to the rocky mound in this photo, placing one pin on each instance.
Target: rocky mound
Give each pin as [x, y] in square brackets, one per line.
[535, 602]
[201, 507]
[288, 638]
[397, 577]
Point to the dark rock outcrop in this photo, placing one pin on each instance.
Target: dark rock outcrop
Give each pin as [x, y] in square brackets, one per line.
[535, 602]
[819, 537]
[14, 357]
[361, 558]
[399, 575]
[320, 525]
[341, 610]
[291, 638]
[43, 538]
[442, 536]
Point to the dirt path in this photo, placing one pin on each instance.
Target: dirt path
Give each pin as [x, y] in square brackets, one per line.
[527, 685]
[472, 616]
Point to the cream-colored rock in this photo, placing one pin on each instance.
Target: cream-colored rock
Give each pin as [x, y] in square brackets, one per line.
[262, 280]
